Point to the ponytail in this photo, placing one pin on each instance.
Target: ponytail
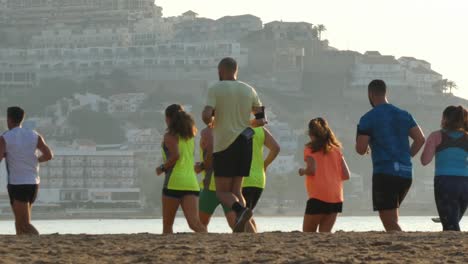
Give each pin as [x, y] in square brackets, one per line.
[181, 123]
[325, 139]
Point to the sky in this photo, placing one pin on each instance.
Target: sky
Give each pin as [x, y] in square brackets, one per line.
[432, 30]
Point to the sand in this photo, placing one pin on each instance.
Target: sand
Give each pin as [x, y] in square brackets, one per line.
[239, 248]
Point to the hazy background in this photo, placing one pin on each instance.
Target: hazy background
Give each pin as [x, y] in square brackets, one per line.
[433, 30]
[96, 76]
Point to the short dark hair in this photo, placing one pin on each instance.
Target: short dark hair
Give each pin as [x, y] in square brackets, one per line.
[228, 63]
[15, 114]
[378, 87]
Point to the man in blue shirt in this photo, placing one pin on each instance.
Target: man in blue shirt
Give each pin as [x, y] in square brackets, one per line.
[387, 129]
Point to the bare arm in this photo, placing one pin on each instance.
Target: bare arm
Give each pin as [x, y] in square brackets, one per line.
[310, 167]
[2, 148]
[418, 140]
[273, 146]
[430, 148]
[346, 172]
[362, 144]
[207, 138]
[172, 144]
[208, 115]
[45, 150]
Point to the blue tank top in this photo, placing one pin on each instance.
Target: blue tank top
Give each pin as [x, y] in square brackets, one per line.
[452, 155]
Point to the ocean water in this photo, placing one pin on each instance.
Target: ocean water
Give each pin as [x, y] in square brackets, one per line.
[217, 225]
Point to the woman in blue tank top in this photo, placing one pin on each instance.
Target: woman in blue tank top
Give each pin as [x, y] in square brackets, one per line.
[450, 148]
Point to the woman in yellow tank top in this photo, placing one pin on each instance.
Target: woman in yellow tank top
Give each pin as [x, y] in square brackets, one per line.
[253, 186]
[180, 184]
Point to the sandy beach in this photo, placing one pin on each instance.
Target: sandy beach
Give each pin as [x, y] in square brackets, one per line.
[240, 248]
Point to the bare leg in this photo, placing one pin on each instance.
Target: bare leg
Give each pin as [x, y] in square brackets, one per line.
[18, 229]
[311, 223]
[327, 223]
[231, 219]
[190, 208]
[254, 223]
[22, 212]
[169, 206]
[236, 189]
[390, 220]
[251, 227]
[224, 191]
[204, 218]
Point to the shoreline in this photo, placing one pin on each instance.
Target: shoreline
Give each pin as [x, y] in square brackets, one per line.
[276, 247]
[104, 217]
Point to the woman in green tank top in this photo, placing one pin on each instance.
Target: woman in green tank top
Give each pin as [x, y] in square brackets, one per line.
[252, 186]
[180, 183]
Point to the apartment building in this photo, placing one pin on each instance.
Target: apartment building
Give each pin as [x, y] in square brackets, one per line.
[87, 175]
[37, 13]
[420, 75]
[372, 65]
[125, 103]
[13, 78]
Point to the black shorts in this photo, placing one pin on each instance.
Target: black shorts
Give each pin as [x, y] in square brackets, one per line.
[26, 193]
[178, 194]
[235, 160]
[251, 195]
[315, 206]
[388, 191]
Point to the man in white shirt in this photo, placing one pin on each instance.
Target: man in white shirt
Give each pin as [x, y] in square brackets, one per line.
[18, 147]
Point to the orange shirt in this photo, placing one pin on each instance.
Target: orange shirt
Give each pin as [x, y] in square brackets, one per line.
[327, 183]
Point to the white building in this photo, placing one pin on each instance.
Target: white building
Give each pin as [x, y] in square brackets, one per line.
[144, 140]
[420, 75]
[91, 37]
[291, 30]
[90, 176]
[372, 65]
[12, 78]
[125, 103]
[37, 13]
[183, 55]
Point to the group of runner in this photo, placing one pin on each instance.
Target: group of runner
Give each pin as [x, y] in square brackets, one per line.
[233, 163]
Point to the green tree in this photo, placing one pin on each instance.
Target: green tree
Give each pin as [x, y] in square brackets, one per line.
[47, 93]
[320, 28]
[451, 85]
[120, 82]
[100, 127]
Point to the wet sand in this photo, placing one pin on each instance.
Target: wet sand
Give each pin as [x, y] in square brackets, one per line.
[239, 248]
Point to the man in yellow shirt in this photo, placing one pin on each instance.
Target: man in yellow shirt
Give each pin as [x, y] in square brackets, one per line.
[232, 102]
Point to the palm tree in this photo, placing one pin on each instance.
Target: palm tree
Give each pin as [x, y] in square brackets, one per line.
[320, 28]
[451, 85]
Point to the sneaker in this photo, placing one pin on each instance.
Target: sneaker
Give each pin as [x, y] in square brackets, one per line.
[242, 220]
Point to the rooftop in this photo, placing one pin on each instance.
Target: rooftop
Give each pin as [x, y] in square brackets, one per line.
[422, 70]
[379, 60]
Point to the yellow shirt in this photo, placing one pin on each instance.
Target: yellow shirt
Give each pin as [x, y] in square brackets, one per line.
[233, 102]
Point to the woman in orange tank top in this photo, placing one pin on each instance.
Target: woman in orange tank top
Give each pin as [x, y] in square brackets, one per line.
[325, 171]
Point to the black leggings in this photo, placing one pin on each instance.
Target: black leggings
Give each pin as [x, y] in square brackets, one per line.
[251, 196]
[451, 195]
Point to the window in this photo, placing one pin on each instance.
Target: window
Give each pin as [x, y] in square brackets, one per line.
[125, 196]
